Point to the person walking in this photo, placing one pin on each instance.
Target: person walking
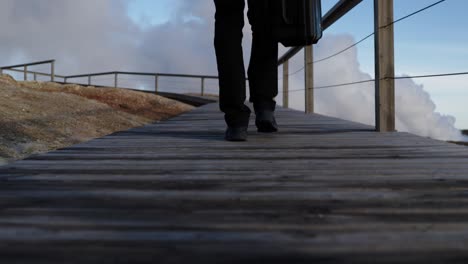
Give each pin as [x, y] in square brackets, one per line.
[262, 70]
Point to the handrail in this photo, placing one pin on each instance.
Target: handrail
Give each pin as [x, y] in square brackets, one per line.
[333, 15]
[155, 75]
[27, 64]
[25, 68]
[383, 54]
[142, 74]
[37, 73]
[115, 73]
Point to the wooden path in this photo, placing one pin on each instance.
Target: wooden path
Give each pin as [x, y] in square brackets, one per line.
[323, 190]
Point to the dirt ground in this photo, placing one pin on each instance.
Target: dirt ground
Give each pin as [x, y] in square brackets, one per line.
[38, 117]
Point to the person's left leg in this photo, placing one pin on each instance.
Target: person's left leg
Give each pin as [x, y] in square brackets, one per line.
[263, 67]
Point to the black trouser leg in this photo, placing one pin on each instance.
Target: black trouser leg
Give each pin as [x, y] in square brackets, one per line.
[228, 45]
[263, 69]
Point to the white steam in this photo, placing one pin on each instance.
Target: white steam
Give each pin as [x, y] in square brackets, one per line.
[415, 110]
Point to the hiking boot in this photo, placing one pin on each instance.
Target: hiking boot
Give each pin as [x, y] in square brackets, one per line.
[266, 122]
[236, 134]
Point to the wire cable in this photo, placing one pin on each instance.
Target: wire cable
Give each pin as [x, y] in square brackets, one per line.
[431, 75]
[373, 33]
[415, 12]
[365, 38]
[394, 78]
[296, 72]
[333, 85]
[346, 49]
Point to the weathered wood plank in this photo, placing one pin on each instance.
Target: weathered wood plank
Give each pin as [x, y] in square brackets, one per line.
[322, 190]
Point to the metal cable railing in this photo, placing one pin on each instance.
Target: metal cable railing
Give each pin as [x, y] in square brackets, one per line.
[341, 8]
[365, 38]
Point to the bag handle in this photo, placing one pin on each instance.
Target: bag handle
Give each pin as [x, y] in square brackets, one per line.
[285, 13]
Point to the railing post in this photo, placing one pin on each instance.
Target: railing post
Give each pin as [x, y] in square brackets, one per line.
[202, 86]
[25, 73]
[52, 71]
[116, 76]
[286, 84]
[384, 66]
[1, 71]
[65, 80]
[35, 77]
[156, 83]
[309, 79]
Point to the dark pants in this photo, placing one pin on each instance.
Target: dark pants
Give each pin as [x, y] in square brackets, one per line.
[263, 69]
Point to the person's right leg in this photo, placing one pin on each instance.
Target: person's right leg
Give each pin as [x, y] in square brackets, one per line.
[228, 45]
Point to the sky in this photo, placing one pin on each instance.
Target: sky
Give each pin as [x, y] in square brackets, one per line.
[176, 36]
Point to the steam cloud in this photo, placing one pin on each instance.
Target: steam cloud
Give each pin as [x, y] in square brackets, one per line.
[415, 111]
[90, 36]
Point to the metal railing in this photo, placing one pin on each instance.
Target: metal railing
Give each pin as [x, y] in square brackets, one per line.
[53, 76]
[155, 75]
[384, 62]
[25, 70]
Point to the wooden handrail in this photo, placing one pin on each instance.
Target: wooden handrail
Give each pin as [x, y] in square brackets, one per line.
[384, 61]
[333, 15]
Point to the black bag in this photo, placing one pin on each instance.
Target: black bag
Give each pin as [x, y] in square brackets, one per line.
[296, 22]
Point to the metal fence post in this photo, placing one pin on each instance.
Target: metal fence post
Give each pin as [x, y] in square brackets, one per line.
[202, 86]
[25, 73]
[116, 80]
[286, 84]
[35, 77]
[156, 82]
[89, 80]
[309, 79]
[384, 66]
[52, 71]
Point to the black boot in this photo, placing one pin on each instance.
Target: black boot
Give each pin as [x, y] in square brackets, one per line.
[236, 134]
[266, 122]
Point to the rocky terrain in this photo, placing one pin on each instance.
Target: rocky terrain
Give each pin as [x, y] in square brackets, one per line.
[42, 116]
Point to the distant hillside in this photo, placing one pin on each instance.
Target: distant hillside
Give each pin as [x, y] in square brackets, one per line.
[41, 116]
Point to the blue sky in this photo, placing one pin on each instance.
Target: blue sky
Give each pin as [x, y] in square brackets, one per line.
[430, 42]
[151, 12]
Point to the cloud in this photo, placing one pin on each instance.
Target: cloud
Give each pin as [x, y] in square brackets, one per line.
[415, 110]
[90, 36]
[83, 35]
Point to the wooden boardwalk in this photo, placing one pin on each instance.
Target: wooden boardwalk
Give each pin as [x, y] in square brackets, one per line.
[323, 190]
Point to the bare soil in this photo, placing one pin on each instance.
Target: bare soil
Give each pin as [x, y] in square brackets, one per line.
[38, 117]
